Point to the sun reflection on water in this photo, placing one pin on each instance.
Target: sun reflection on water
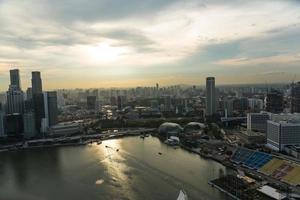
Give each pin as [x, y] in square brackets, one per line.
[112, 158]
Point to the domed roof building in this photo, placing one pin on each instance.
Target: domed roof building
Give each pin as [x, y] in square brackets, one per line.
[169, 129]
[193, 127]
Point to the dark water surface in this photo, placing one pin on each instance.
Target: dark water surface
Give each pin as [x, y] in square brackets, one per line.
[93, 172]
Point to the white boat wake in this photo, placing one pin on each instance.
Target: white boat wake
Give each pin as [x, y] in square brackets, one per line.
[182, 195]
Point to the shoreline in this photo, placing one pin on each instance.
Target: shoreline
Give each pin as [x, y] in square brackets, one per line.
[79, 141]
[100, 138]
[205, 156]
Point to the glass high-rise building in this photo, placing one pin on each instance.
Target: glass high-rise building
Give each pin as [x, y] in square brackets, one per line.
[274, 101]
[29, 125]
[37, 98]
[52, 108]
[295, 95]
[14, 95]
[36, 82]
[211, 102]
[15, 100]
[15, 78]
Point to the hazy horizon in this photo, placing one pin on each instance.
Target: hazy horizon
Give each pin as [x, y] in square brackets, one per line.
[104, 44]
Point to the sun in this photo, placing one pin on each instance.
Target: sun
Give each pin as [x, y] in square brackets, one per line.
[105, 52]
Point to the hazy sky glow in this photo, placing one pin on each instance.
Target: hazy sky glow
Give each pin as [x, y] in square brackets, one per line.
[117, 43]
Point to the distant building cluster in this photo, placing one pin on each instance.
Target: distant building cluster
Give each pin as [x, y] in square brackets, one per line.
[30, 114]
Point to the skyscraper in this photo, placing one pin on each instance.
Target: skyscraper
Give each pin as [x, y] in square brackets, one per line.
[37, 99]
[36, 82]
[15, 78]
[29, 125]
[14, 95]
[29, 93]
[15, 101]
[52, 107]
[120, 102]
[210, 96]
[2, 119]
[38, 108]
[274, 101]
[295, 95]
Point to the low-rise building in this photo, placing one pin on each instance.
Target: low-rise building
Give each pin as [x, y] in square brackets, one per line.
[68, 128]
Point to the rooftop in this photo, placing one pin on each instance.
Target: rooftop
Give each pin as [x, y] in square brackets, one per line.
[271, 192]
[286, 118]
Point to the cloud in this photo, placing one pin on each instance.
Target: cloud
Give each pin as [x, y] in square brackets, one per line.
[281, 59]
[111, 38]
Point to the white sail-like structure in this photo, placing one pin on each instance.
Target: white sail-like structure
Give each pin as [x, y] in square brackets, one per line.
[182, 195]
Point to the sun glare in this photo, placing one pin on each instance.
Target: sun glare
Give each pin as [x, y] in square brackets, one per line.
[104, 52]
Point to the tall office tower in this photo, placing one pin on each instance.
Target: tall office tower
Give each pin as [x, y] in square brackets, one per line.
[228, 106]
[91, 102]
[15, 78]
[295, 95]
[29, 93]
[52, 107]
[37, 99]
[38, 108]
[15, 100]
[29, 125]
[2, 118]
[211, 101]
[28, 104]
[14, 95]
[45, 119]
[120, 102]
[274, 101]
[36, 82]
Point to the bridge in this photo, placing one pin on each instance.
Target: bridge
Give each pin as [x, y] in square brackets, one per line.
[231, 119]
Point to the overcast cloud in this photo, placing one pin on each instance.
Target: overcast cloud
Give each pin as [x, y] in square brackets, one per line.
[112, 43]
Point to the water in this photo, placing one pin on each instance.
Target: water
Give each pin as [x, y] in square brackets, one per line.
[136, 171]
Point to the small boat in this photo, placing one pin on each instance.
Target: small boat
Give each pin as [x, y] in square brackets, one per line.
[160, 153]
[142, 136]
[182, 195]
[117, 150]
[99, 142]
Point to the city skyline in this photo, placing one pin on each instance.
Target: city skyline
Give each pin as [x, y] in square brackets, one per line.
[168, 42]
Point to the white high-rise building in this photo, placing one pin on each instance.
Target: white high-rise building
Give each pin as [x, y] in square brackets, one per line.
[211, 101]
[283, 130]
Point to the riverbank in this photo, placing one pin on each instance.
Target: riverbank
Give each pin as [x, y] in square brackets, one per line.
[72, 140]
[208, 156]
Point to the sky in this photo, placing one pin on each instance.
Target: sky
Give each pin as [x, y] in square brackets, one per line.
[127, 43]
